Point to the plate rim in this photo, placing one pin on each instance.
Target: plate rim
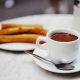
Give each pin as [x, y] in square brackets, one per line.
[16, 49]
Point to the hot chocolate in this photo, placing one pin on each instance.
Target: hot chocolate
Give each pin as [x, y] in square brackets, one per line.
[63, 37]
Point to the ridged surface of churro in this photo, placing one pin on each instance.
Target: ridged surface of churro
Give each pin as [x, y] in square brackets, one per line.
[31, 38]
[14, 29]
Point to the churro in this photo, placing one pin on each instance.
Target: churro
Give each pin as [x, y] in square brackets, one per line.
[5, 26]
[31, 38]
[10, 29]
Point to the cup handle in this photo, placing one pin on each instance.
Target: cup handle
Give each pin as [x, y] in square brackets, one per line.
[40, 38]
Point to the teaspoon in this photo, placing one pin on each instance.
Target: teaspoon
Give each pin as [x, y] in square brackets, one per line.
[60, 66]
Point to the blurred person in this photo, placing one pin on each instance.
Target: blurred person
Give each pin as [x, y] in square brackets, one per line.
[54, 6]
[60, 6]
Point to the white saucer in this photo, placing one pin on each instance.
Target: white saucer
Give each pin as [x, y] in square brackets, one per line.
[50, 67]
[17, 46]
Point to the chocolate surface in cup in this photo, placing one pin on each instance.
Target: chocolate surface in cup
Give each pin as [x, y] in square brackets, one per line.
[63, 37]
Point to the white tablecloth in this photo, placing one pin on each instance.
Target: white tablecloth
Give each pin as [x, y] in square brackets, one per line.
[21, 66]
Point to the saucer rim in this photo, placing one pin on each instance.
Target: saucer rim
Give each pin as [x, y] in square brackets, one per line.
[55, 71]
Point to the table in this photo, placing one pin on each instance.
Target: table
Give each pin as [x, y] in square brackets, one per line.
[15, 66]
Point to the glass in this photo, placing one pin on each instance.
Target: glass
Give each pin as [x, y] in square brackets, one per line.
[76, 25]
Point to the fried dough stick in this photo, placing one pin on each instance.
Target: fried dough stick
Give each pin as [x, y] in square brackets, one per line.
[37, 29]
[31, 38]
[5, 26]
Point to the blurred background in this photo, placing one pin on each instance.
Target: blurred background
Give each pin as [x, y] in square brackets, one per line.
[18, 8]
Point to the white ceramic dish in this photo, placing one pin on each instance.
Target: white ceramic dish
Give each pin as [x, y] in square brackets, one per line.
[17, 46]
[52, 68]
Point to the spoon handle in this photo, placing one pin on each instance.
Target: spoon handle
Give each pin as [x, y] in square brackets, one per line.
[58, 66]
[40, 58]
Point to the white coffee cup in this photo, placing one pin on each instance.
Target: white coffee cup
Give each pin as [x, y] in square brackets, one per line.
[60, 52]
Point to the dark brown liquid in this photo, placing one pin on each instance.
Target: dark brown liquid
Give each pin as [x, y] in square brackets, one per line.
[63, 37]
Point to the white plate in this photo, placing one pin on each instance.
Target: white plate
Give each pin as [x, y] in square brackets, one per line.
[48, 22]
[52, 68]
[17, 46]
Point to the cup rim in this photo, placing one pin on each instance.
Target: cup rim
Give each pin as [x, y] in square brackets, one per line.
[70, 31]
